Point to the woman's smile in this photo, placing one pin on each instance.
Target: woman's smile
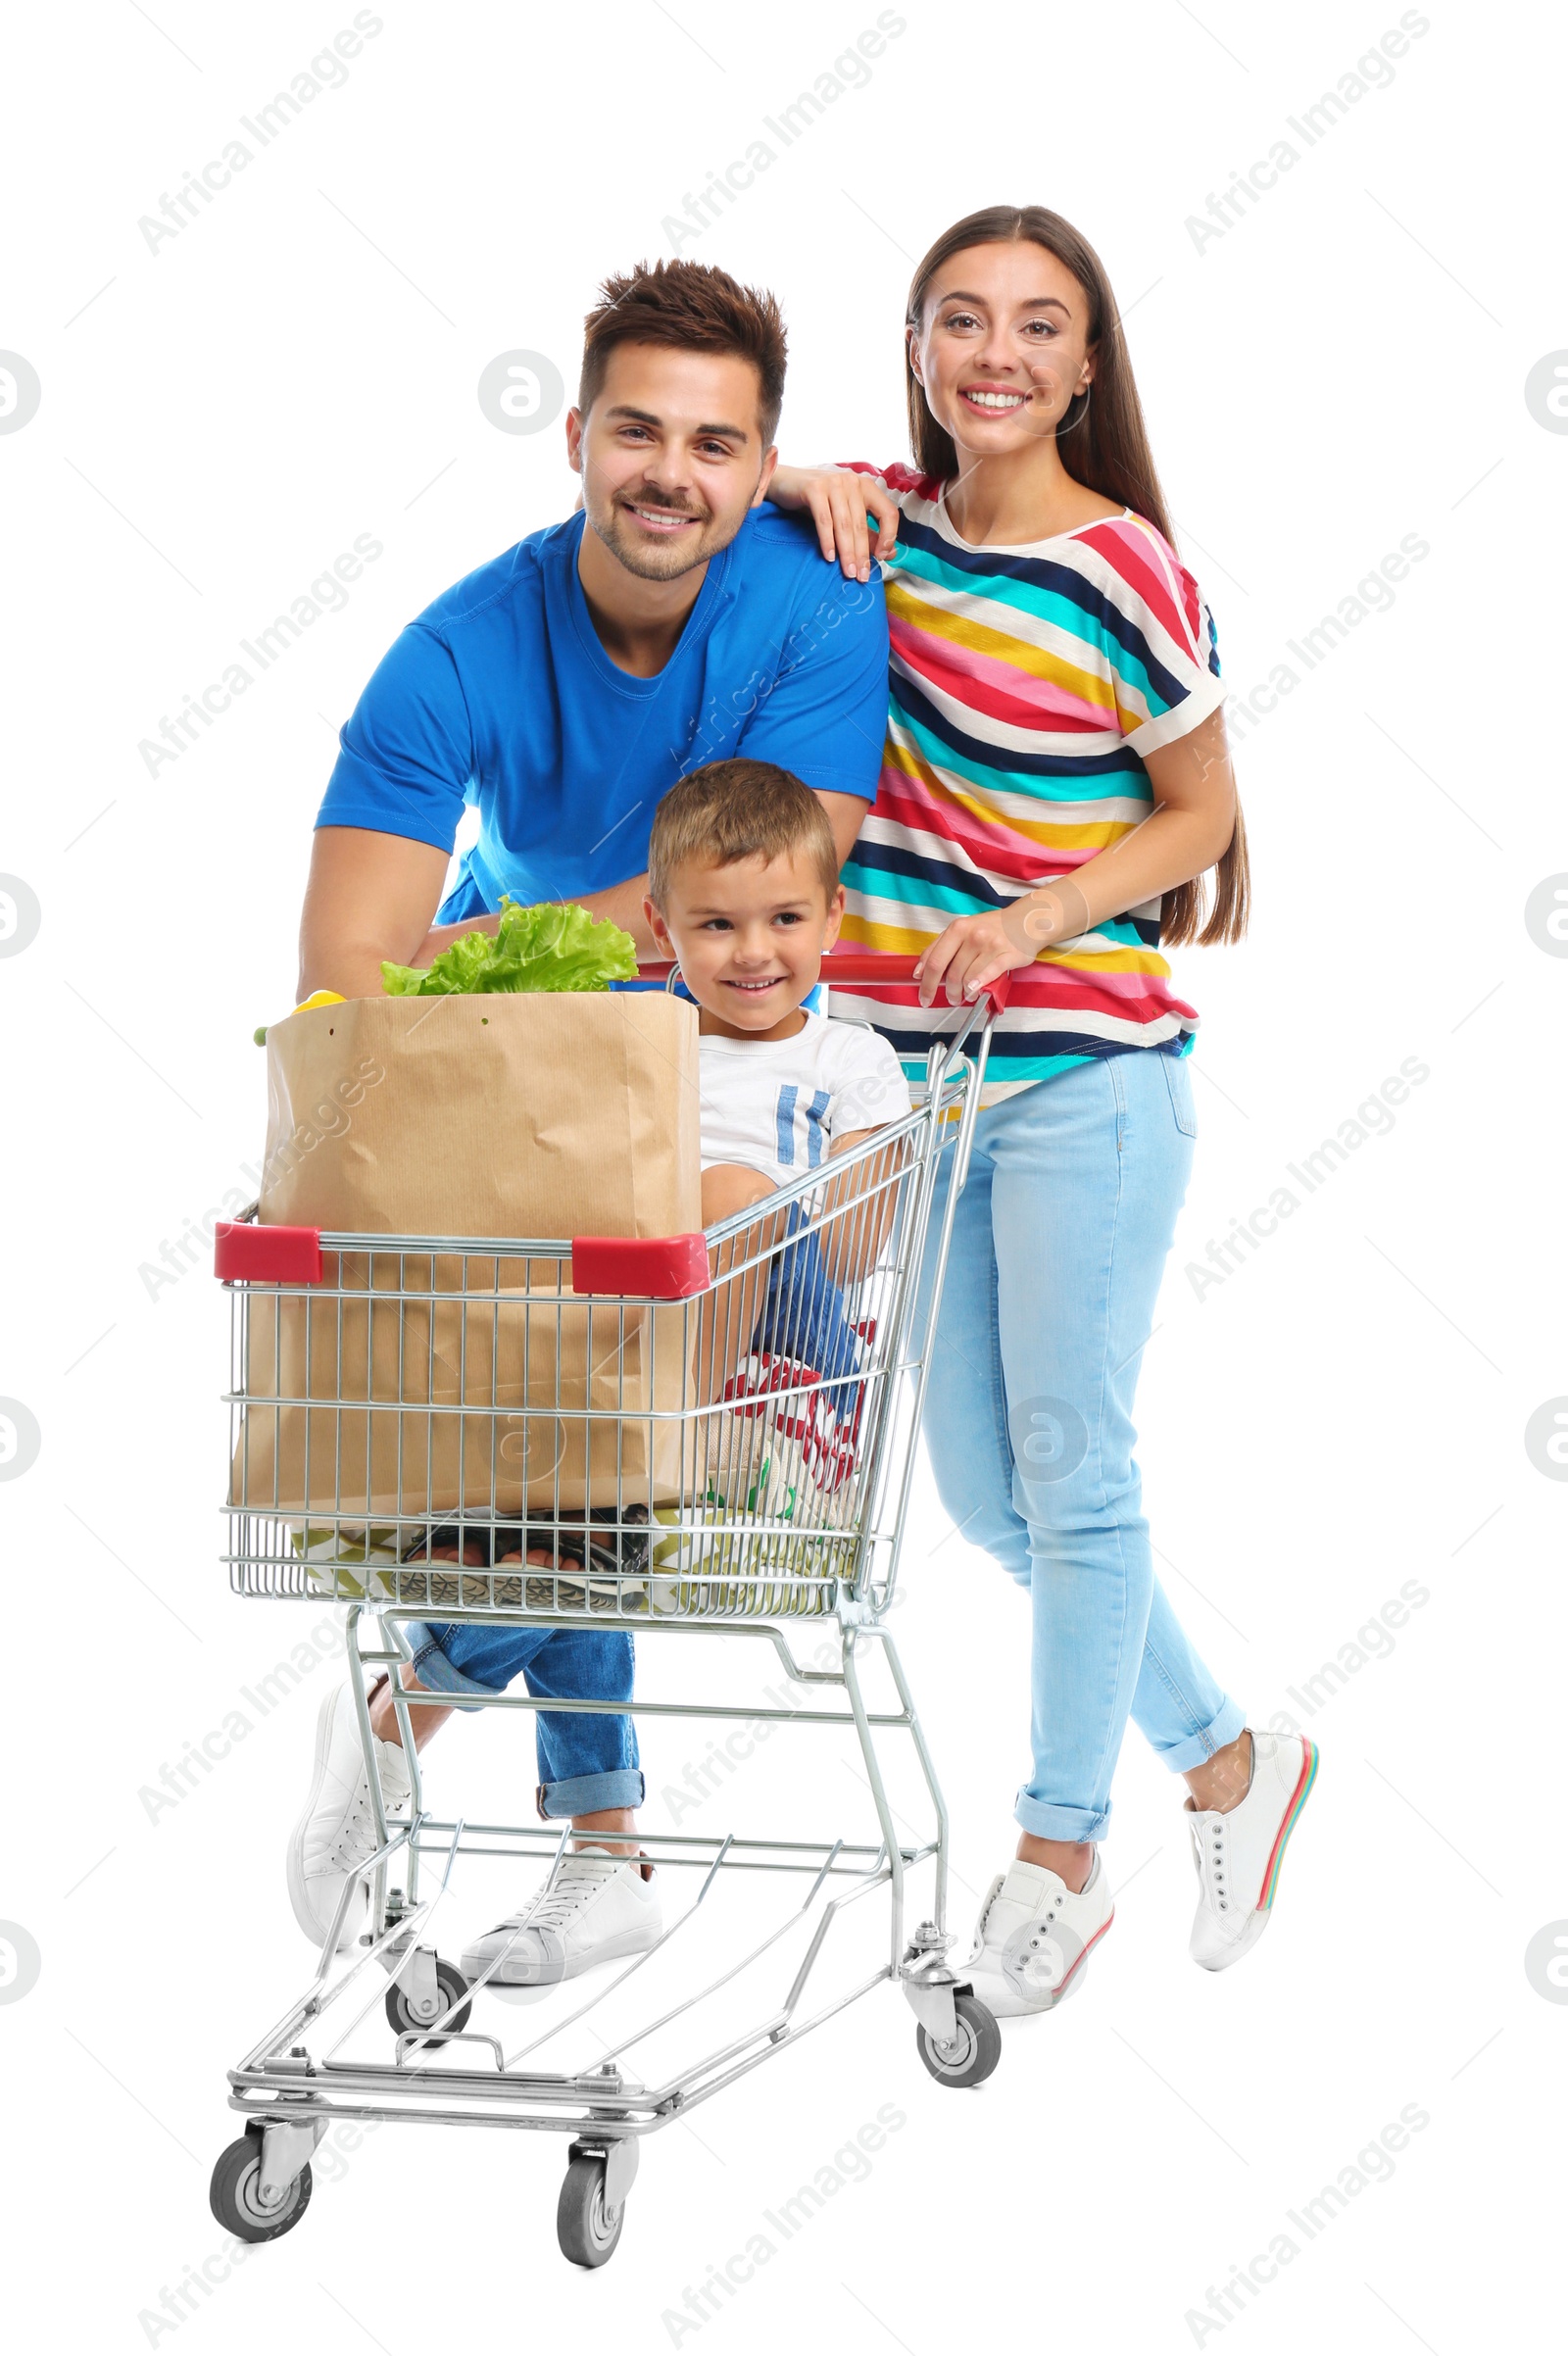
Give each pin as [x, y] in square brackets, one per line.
[993, 400]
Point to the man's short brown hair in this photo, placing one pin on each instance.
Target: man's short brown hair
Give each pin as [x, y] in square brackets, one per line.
[695, 307]
[733, 811]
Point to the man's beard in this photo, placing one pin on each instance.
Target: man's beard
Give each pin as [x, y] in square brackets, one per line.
[645, 560]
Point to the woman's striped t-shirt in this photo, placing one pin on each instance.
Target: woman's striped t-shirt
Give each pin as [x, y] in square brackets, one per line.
[1025, 685]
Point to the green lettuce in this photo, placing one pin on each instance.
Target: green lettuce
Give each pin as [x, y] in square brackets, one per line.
[542, 948]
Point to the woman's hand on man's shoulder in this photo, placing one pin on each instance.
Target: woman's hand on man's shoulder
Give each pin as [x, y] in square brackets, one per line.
[840, 502]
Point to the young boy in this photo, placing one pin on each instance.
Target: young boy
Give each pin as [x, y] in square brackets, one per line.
[744, 894]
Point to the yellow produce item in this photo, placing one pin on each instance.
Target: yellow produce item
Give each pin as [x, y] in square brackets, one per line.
[318, 997]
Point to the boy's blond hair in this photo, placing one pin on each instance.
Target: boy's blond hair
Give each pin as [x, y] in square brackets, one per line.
[733, 811]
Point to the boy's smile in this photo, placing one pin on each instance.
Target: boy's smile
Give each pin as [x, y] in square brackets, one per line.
[749, 940]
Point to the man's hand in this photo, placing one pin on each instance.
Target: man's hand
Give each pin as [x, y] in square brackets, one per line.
[369, 897]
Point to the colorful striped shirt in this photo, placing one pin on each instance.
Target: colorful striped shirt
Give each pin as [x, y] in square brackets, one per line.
[1025, 687]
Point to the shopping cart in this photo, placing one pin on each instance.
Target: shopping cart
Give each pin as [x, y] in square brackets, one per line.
[592, 1393]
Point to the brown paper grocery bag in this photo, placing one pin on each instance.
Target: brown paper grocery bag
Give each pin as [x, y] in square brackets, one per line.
[534, 1117]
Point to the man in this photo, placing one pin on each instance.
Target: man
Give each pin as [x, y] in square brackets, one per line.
[562, 689]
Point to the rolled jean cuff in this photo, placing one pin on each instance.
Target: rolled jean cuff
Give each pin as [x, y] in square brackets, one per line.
[1048, 1821]
[587, 1795]
[435, 1671]
[1229, 1720]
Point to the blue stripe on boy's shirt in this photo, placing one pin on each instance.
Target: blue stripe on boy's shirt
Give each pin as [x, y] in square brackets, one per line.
[786, 1124]
[815, 1112]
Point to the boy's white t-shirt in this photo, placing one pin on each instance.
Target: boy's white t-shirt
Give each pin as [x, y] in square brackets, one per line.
[777, 1105]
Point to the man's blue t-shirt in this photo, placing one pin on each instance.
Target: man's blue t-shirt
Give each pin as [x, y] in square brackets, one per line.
[501, 693]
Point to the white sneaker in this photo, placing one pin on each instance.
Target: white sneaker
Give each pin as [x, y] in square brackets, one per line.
[1238, 1852]
[1033, 1937]
[596, 1907]
[337, 1833]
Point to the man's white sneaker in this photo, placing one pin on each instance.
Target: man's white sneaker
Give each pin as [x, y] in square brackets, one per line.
[1033, 1937]
[337, 1833]
[1238, 1852]
[597, 1907]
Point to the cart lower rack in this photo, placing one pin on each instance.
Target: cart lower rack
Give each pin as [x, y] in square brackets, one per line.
[710, 1434]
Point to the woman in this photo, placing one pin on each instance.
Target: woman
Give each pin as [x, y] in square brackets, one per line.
[1056, 783]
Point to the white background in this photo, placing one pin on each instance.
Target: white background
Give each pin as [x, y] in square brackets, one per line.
[220, 418]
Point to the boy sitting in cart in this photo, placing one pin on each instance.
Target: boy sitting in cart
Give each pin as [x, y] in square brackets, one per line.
[744, 894]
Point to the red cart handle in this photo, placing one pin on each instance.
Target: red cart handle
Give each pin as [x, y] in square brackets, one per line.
[842, 968]
[245, 1253]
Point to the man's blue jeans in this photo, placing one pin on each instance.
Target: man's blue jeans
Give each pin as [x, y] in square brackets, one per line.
[1059, 1246]
[587, 1759]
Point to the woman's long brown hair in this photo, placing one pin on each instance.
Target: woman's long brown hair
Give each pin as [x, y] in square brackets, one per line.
[1107, 451]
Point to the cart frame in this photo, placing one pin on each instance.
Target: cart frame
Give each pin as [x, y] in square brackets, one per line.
[286, 2094]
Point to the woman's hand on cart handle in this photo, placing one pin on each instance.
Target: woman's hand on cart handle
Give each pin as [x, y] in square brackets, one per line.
[838, 501]
[974, 950]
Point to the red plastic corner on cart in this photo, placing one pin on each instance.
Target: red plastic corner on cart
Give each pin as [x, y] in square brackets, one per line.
[661, 1267]
[246, 1253]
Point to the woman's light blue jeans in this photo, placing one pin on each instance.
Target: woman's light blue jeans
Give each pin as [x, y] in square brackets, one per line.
[1059, 1243]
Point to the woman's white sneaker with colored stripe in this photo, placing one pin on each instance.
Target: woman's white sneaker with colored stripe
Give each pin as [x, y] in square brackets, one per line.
[1238, 1852]
[1033, 1938]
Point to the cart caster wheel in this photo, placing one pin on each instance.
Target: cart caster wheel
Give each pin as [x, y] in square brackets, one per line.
[586, 2230]
[235, 2194]
[406, 2015]
[973, 2053]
